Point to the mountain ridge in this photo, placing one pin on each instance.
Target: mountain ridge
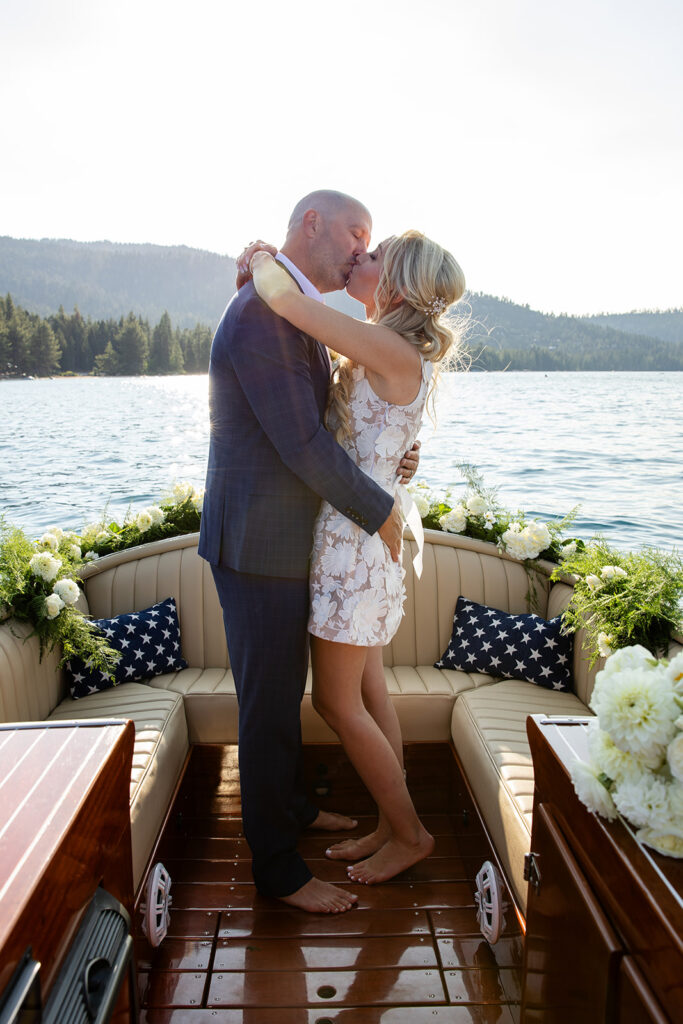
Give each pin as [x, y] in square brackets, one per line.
[106, 279]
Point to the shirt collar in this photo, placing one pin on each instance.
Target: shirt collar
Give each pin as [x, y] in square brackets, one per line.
[307, 287]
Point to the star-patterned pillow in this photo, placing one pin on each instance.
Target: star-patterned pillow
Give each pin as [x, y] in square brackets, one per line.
[149, 642]
[509, 646]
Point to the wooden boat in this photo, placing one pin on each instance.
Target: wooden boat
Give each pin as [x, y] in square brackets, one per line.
[590, 925]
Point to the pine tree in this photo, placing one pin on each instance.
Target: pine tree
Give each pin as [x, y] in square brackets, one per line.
[107, 362]
[44, 351]
[131, 347]
[18, 333]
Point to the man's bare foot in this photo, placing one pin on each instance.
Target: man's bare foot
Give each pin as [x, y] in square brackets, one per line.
[328, 821]
[393, 858]
[357, 849]
[319, 897]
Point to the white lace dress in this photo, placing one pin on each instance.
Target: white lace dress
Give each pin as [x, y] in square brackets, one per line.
[357, 591]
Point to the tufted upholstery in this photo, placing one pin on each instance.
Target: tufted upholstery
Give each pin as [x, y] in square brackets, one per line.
[485, 718]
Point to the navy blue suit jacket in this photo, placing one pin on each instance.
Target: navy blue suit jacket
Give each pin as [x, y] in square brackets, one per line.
[271, 459]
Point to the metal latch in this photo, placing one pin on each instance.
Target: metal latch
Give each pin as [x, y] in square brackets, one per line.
[532, 872]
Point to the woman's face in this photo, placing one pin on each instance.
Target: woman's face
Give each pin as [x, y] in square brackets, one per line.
[362, 283]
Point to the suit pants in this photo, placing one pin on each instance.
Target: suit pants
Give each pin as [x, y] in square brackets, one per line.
[266, 622]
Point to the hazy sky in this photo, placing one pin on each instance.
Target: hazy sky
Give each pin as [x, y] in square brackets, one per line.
[541, 141]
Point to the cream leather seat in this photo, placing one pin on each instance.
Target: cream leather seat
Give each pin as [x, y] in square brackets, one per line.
[159, 752]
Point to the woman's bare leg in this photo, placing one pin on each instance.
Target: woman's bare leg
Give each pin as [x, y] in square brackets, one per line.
[378, 702]
[337, 695]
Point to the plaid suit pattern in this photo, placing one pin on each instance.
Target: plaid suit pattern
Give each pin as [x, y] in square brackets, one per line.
[270, 457]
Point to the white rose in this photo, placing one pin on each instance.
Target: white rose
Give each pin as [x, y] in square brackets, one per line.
[56, 531]
[591, 791]
[604, 648]
[53, 606]
[75, 550]
[49, 540]
[422, 504]
[157, 514]
[454, 521]
[143, 521]
[45, 566]
[91, 556]
[538, 534]
[67, 591]
[593, 581]
[476, 505]
[515, 541]
[568, 548]
[674, 756]
[612, 572]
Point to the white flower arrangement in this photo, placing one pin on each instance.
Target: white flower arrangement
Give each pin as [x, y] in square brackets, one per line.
[635, 745]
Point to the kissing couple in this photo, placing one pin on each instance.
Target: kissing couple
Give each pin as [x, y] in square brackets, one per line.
[302, 520]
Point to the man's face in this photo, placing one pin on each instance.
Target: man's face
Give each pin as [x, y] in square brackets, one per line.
[341, 239]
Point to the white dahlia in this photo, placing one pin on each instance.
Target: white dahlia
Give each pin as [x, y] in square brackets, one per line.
[591, 791]
[67, 591]
[45, 566]
[637, 708]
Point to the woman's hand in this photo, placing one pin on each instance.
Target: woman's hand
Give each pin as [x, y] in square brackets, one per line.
[243, 260]
[408, 465]
[272, 283]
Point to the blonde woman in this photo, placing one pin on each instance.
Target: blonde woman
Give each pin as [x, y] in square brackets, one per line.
[386, 374]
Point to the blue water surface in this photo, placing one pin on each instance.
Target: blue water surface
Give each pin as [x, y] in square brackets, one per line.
[611, 442]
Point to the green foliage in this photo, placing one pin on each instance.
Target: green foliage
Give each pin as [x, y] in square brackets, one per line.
[25, 596]
[624, 598]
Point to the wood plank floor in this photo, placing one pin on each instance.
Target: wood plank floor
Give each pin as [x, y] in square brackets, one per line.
[409, 953]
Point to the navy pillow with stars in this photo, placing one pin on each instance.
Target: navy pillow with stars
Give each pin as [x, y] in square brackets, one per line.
[509, 646]
[149, 642]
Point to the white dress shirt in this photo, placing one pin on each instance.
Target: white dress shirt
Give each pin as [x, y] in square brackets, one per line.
[307, 287]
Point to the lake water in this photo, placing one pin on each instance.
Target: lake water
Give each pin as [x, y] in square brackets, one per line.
[611, 442]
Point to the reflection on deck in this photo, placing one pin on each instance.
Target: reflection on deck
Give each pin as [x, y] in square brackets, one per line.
[410, 952]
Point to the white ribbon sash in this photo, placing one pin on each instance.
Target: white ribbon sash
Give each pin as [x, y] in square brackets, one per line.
[412, 518]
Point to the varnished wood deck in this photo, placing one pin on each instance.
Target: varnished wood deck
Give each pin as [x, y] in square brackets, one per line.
[410, 953]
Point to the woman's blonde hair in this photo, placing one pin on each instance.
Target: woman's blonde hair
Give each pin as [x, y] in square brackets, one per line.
[427, 280]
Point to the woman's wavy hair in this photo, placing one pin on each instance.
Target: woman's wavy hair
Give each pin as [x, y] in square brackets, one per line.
[419, 273]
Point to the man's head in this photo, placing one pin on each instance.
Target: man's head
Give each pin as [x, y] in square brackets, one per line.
[326, 233]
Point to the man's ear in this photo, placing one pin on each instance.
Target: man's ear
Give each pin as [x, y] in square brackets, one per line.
[311, 222]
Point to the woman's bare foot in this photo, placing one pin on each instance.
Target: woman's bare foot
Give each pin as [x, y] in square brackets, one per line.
[328, 821]
[319, 897]
[393, 858]
[357, 849]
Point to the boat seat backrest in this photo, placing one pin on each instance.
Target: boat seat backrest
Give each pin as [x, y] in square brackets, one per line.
[476, 571]
[30, 689]
[137, 578]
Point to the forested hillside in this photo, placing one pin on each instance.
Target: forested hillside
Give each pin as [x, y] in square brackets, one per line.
[94, 297]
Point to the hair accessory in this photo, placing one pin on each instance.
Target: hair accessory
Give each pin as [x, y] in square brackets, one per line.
[435, 306]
